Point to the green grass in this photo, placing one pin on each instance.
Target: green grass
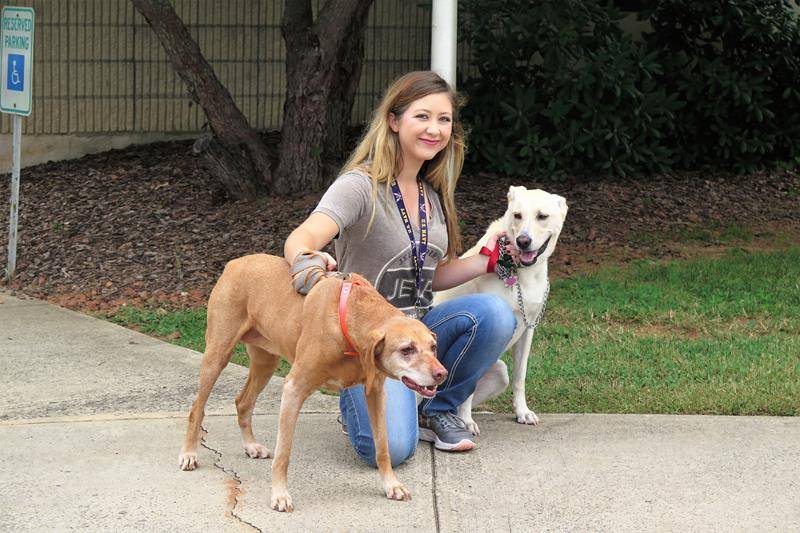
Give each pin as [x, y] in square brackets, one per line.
[712, 336]
[185, 328]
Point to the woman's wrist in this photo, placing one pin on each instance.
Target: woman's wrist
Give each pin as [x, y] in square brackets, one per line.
[492, 256]
[486, 258]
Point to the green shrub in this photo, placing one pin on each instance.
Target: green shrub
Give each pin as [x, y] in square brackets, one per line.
[737, 65]
[560, 88]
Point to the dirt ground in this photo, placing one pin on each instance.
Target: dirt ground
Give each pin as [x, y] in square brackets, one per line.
[145, 225]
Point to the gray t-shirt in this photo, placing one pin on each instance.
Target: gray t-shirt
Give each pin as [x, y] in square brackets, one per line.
[384, 255]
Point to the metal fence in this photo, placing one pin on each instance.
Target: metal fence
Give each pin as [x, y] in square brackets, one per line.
[98, 67]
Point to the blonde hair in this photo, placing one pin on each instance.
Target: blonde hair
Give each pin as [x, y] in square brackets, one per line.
[379, 154]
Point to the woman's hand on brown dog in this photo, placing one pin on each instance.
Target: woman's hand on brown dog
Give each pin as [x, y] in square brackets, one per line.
[309, 267]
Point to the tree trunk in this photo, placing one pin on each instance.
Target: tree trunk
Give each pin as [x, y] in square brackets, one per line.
[323, 69]
[239, 157]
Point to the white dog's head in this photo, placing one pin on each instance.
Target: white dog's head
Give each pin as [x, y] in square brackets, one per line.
[533, 222]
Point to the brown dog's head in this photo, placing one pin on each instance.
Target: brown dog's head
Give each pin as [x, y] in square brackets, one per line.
[405, 349]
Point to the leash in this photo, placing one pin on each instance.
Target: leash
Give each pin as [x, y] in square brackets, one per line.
[347, 287]
[507, 269]
[532, 325]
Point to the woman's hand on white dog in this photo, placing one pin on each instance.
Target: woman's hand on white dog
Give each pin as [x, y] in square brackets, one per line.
[509, 248]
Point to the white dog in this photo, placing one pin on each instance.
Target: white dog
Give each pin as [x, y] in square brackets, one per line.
[532, 223]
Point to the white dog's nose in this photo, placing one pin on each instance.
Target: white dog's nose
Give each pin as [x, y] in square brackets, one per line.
[523, 241]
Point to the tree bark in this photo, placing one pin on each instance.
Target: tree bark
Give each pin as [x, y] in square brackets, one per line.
[239, 157]
[323, 69]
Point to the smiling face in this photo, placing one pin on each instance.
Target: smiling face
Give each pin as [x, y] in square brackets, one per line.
[424, 128]
[533, 222]
[408, 354]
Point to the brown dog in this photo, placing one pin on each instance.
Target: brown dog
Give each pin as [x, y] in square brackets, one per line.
[253, 302]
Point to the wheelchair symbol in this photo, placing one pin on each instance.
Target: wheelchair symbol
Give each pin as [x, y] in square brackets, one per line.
[16, 72]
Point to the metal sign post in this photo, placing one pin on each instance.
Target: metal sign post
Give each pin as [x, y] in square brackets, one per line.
[13, 217]
[16, 67]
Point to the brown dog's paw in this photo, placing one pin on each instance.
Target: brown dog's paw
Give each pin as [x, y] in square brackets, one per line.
[281, 501]
[187, 461]
[398, 492]
[257, 451]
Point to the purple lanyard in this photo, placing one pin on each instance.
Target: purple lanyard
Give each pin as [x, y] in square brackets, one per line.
[419, 259]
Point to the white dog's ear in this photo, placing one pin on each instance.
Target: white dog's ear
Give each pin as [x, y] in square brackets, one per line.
[562, 203]
[512, 191]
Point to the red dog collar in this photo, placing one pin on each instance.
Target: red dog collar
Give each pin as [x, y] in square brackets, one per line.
[493, 255]
[347, 286]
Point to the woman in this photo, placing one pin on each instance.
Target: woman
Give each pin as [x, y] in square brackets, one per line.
[393, 216]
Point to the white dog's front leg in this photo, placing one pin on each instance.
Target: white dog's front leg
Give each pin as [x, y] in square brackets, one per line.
[520, 352]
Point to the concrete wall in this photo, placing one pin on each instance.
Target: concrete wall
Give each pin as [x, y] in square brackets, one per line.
[38, 149]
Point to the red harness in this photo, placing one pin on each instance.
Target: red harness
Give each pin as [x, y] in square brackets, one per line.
[347, 286]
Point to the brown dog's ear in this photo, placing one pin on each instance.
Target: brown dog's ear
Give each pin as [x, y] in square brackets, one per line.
[368, 356]
[358, 280]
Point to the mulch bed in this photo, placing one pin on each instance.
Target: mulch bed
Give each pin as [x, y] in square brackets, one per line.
[146, 225]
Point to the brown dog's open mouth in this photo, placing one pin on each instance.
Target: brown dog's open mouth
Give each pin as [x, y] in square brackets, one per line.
[428, 392]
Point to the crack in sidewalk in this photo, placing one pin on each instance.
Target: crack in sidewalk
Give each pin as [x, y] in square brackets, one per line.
[433, 489]
[237, 481]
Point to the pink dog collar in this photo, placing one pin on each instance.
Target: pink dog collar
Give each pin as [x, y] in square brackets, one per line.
[347, 286]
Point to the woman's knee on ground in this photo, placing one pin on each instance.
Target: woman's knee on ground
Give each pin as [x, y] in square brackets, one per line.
[402, 447]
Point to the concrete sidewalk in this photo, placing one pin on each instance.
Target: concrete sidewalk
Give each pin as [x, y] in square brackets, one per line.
[92, 417]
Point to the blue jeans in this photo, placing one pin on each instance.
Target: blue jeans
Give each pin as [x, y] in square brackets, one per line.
[472, 331]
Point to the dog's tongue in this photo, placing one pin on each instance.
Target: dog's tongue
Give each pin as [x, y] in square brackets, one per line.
[424, 391]
[410, 383]
[527, 257]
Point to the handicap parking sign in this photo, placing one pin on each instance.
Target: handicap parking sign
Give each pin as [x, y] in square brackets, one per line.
[16, 72]
[16, 60]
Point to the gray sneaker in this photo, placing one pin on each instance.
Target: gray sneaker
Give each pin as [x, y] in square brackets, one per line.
[446, 431]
